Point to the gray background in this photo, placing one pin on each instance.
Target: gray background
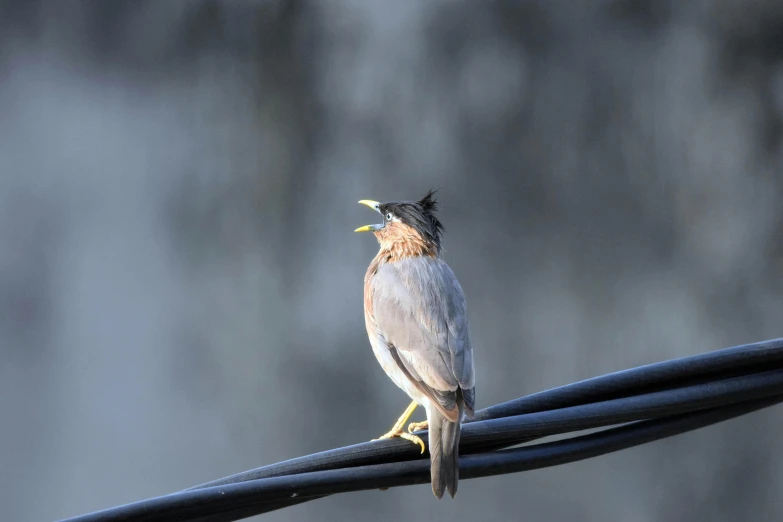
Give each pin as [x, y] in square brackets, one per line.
[180, 287]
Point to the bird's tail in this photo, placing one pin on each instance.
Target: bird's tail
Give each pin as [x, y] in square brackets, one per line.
[444, 452]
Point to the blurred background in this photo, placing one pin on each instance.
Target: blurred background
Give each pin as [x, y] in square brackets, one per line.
[181, 289]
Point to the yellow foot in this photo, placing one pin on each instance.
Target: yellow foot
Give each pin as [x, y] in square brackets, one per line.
[418, 426]
[396, 430]
[407, 436]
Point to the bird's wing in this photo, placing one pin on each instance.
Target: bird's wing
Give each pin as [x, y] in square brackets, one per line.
[420, 313]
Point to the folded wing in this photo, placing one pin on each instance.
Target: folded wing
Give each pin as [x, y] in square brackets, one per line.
[420, 312]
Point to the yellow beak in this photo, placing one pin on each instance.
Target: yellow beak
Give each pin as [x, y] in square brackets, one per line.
[372, 204]
[376, 207]
[369, 228]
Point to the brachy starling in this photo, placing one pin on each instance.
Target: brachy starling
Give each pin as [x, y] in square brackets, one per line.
[417, 320]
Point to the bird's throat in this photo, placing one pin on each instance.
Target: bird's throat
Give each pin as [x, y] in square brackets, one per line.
[396, 249]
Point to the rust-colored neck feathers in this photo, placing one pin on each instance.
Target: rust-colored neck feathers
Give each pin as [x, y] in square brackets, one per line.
[400, 241]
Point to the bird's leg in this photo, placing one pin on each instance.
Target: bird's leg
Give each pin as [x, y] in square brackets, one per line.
[396, 430]
[417, 426]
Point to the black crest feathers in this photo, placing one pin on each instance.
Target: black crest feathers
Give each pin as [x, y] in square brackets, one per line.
[429, 205]
[420, 215]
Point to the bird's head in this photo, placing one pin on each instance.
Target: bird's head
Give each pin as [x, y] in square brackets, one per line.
[409, 227]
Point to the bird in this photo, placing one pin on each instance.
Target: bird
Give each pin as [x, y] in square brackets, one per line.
[417, 321]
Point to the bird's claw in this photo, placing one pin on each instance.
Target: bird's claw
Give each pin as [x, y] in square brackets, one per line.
[418, 426]
[407, 436]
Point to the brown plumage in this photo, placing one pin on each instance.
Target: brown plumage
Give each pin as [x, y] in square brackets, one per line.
[416, 319]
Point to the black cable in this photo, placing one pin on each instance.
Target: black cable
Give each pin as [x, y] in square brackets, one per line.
[198, 504]
[731, 361]
[539, 456]
[512, 430]
[682, 394]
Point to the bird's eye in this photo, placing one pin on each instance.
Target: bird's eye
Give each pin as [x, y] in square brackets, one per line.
[388, 216]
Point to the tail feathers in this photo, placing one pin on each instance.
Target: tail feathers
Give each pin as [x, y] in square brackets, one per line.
[444, 452]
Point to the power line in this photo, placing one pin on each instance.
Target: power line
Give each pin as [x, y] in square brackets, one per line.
[652, 402]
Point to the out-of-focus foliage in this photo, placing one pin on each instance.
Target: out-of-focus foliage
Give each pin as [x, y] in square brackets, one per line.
[180, 289]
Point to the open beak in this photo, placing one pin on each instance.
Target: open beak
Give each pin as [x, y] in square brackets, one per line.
[375, 206]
